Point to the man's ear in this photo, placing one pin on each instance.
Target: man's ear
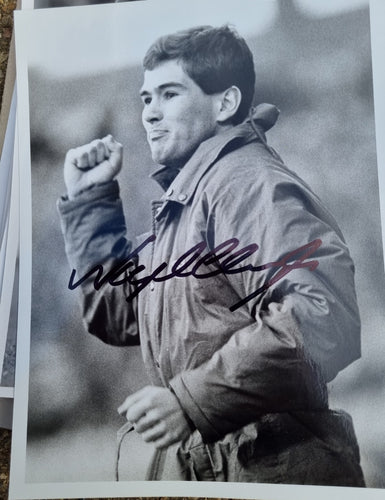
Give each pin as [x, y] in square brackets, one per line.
[229, 104]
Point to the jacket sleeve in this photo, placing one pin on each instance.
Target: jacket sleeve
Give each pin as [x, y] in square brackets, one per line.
[94, 231]
[306, 325]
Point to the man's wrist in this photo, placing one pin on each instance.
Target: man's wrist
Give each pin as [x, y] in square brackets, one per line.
[106, 191]
[186, 416]
[74, 194]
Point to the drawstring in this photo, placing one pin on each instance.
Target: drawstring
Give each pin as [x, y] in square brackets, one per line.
[121, 434]
[157, 464]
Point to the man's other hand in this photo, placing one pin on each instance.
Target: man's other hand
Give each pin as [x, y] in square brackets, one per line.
[156, 415]
[94, 163]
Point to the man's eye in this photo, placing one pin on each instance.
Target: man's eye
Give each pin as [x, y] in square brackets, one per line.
[169, 94]
[146, 100]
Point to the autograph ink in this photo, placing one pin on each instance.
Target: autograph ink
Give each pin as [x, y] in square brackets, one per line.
[191, 264]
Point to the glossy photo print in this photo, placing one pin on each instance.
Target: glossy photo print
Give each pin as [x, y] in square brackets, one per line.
[202, 276]
[9, 259]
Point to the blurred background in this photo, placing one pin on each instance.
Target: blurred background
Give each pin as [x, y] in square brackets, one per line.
[313, 61]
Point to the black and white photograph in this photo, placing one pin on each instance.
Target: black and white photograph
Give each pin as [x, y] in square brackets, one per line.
[201, 257]
[8, 270]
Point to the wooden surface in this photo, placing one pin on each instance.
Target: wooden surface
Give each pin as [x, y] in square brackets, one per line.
[5, 449]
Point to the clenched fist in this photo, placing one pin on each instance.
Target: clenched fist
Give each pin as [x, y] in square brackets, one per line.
[94, 163]
[157, 416]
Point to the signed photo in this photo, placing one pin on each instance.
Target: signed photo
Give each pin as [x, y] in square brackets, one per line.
[202, 277]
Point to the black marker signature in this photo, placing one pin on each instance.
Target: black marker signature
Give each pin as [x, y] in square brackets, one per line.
[191, 264]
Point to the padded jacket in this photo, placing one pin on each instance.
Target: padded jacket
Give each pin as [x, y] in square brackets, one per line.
[242, 297]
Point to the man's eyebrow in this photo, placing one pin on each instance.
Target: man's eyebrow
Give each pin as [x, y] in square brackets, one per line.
[163, 86]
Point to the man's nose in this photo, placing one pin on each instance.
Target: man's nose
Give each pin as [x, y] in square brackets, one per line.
[152, 112]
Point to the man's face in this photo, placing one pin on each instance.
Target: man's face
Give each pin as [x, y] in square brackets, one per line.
[177, 114]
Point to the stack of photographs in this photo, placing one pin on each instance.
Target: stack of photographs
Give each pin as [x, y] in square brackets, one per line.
[219, 332]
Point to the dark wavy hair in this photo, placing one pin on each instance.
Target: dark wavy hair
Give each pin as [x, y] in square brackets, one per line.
[214, 58]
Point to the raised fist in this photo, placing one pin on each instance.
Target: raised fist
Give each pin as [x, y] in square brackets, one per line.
[94, 163]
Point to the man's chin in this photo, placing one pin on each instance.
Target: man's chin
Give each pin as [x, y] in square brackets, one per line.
[168, 160]
[162, 159]
[158, 156]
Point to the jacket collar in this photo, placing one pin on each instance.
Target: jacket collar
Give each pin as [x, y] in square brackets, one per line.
[179, 186]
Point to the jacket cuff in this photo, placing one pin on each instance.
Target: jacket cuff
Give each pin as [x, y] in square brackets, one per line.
[192, 410]
[93, 193]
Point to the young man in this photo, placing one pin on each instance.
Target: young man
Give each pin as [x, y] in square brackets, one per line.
[242, 296]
